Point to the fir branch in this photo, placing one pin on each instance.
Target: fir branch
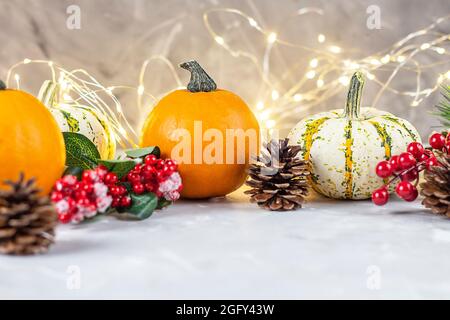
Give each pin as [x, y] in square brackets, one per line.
[444, 106]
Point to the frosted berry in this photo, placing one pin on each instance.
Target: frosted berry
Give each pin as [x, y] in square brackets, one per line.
[383, 169]
[437, 141]
[380, 197]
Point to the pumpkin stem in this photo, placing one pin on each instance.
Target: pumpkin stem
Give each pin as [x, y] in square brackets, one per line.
[353, 105]
[200, 80]
[2, 85]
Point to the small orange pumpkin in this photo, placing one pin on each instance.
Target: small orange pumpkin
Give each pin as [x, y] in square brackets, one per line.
[214, 162]
[30, 140]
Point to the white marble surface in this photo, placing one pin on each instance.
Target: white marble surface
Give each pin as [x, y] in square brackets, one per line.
[227, 248]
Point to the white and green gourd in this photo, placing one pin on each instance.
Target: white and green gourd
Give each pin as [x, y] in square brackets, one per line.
[345, 145]
[77, 118]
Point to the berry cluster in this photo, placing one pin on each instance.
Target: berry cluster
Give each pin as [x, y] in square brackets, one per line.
[156, 175]
[100, 189]
[77, 200]
[404, 169]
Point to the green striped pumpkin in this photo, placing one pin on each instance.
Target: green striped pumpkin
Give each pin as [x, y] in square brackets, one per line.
[344, 145]
[79, 119]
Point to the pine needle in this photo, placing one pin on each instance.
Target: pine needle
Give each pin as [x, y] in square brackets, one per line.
[444, 106]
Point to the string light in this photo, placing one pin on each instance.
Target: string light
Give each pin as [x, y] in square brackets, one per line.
[321, 38]
[310, 74]
[314, 63]
[334, 73]
[79, 88]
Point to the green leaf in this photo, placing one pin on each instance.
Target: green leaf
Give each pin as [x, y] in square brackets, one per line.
[140, 153]
[80, 151]
[162, 203]
[73, 171]
[119, 167]
[141, 208]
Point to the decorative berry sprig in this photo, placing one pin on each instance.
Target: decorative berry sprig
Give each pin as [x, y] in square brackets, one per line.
[404, 169]
[138, 185]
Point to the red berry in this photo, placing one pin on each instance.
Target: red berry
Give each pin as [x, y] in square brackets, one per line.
[71, 203]
[404, 189]
[84, 202]
[56, 196]
[394, 163]
[115, 190]
[80, 194]
[437, 141]
[138, 188]
[133, 177]
[411, 175]
[431, 162]
[406, 160]
[111, 178]
[160, 176]
[166, 171]
[125, 201]
[383, 169]
[115, 202]
[447, 145]
[150, 187]
[122, 190]
[380, 196]
[159, 163]
[86, 175]
[65, 218]
[88, 187]
[137, 168]
[416, 149]
[150, 159]
[413, 196]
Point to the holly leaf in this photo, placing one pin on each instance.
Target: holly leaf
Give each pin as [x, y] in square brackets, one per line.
[80, 151]
[162, 203]
[140, 153]
[73, 171]
[142, 207]
[119, 167]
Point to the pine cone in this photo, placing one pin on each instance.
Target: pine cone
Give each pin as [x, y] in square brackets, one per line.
[279, 179]
[436, 188]
[27, 220]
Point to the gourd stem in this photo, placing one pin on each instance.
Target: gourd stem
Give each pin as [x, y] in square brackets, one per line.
[200, 80]
[2, 85]
[352, 108]
[49, 93]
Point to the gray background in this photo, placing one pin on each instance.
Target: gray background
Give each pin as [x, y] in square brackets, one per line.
[116, 36]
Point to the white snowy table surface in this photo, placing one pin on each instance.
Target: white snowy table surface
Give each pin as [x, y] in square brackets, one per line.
[229, 249]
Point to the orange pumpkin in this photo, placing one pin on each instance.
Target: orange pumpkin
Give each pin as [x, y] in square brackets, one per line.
[30, 140]
[210, 132]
